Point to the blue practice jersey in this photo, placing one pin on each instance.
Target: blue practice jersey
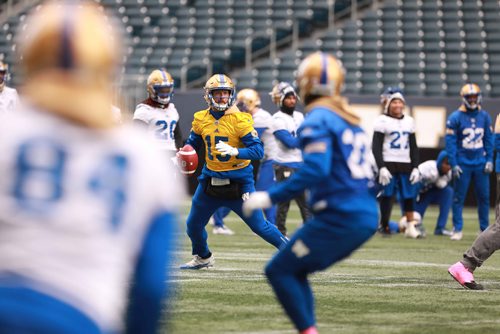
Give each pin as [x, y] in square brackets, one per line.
[338, 168]
[469, 138]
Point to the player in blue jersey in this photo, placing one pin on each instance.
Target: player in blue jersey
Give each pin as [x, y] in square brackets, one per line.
[226, 180]
[469, 143]
[338, 173]
[88, 208]
[487, 242]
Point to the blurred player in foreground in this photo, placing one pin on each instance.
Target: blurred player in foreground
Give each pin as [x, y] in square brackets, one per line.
[88, 212]
[487, 243]
[226, 180]
[469, 143]
[338, 173]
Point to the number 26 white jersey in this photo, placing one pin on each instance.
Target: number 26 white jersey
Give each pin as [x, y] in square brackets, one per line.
[396, 147]
[161, 123]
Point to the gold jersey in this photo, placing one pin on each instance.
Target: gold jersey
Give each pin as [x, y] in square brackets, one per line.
[230, 128]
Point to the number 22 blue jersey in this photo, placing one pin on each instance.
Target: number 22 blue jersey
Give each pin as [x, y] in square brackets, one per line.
[338, 167]
[469, 138]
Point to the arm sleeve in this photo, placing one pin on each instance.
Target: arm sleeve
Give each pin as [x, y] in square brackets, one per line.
[488, 140]
[148, 289]
[260, 131]
[194, 140]
[377, 147]
[414, 154]
[139, 123]
[253, 150]
[451, 142]
[286, 138]
[141, 113]
[178, 136]
[497, 142]
[317, 154]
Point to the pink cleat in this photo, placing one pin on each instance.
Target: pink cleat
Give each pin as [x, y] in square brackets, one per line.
[310, 330]
[463, 276]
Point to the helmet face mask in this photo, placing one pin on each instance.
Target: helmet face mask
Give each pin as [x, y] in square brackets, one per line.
[471, 96]
[160, 86]
[219, 82]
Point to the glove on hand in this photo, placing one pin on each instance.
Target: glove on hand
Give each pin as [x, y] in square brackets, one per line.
[457, 171]
[257, 200]
[226, 149]
[488, 167]
[384, 176]
[414, 176]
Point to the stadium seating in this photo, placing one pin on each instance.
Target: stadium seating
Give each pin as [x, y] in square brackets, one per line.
[429, 47]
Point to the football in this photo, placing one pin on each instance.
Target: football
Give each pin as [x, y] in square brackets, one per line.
[187, 159]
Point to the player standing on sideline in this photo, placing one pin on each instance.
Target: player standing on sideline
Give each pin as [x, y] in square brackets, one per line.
[227, 177]
[338, 173]
[469, 143]
[487, 242]
[158, 113]
[434, 188]
[263, 120]
[9, 100]
[88, 213]
[288, 157]
[396, 153]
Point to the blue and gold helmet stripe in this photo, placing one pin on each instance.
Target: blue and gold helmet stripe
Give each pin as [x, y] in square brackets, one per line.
[324, 66]
[164, 75]
[66, 55]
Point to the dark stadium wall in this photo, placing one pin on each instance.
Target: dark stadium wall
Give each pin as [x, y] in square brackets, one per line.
[190, 102]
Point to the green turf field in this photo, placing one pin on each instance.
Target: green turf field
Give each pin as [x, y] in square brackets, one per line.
[391, 285]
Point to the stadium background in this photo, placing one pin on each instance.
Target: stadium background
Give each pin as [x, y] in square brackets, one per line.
[430, 48]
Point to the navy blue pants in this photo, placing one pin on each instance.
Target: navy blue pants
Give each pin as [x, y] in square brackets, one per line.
[315, 246]
[204, 206]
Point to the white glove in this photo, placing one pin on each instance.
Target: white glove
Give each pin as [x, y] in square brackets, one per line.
[457, 171]
[414, 176]
[257, 200]
[488, 168]
[226, 149]
[442, 181]
[384, 176]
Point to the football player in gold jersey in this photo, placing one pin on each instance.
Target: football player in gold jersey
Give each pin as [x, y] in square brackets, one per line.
[230, 142]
